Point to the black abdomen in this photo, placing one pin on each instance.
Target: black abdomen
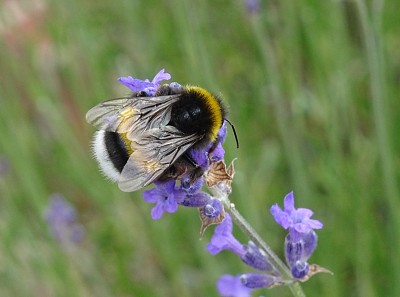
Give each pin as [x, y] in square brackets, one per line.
[116, 150]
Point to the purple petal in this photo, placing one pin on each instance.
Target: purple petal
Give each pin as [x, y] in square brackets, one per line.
[302, 228]
[134, 84]
[304, 212]
[160, 76]
[222, 133]
[165, 197]
[218, 153]
[288, 203]
[224, 240]
[200, 156]
[315, 224]
[231, 286]
[280, 216]
[152, 195]
[157, 211]
[170, 205]
[295, 219]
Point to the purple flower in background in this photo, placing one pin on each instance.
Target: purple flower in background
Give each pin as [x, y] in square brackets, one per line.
[166, 198]
[253, 6]
[61, 219]
[137, 85]
[4, 166]
[296, 220]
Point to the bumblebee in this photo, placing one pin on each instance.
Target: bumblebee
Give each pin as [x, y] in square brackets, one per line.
[142, 139]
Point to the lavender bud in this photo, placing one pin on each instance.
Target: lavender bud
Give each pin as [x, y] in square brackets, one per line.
[255, 258]
[213, 208]
[300, 269]
[298, 252]
[257, 280]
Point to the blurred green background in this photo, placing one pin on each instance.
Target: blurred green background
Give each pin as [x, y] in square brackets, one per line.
[313, 90]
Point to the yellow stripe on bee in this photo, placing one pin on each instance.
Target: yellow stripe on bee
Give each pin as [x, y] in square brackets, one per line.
[214, 107]
[127, 142]
[126, 115]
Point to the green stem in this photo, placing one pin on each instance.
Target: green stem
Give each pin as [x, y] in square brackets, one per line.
[249, 231]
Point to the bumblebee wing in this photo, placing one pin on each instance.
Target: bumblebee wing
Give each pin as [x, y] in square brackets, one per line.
[131, 114]
[153, 153]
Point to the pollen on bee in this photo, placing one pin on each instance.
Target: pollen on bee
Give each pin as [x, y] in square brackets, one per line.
[128, 112]
[151, 166]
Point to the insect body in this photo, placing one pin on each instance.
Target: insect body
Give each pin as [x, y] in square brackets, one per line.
[142, 139]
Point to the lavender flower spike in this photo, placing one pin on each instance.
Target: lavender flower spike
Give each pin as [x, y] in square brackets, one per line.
[296, 220]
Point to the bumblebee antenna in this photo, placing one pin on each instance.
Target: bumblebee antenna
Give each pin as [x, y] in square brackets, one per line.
[234, 132]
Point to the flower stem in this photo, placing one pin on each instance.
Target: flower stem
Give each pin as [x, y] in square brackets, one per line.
[249, 231]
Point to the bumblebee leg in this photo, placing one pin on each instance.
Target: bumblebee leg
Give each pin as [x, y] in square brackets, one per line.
[188, 158]
[140, 94]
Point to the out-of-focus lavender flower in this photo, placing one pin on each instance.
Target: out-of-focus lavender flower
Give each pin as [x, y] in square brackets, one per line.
[137, 85]
[253, 6]
[165, 196]
[232, 286]
[296, 220]
[61, 219]
[4, 166]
